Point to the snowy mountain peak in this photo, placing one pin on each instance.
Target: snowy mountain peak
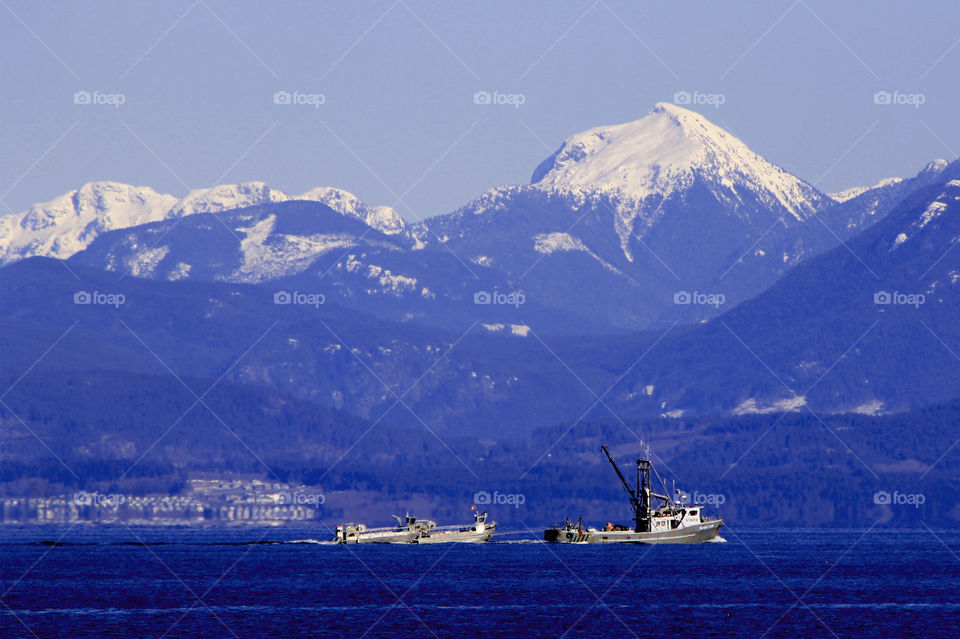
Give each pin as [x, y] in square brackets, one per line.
[663, 153]
[68, 223]
[234, 196]
[934, 168]
[383, 218]
[849, 194]
[225, 197]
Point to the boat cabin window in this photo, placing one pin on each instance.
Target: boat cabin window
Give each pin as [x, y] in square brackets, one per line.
[693, 513]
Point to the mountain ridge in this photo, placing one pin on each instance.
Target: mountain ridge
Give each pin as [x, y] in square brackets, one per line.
[67, 224]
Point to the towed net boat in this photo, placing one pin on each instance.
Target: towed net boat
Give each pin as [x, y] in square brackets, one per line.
[405, 532]
[413, 531]
[478, 533]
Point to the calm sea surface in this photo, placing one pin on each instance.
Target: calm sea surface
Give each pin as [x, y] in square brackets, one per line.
[113, 582]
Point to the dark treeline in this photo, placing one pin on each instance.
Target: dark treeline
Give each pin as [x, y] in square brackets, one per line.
[134, 433]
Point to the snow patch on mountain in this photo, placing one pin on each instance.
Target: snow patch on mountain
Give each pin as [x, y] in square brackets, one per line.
[518, 330]
[180, 272]
[267, 255]
[547, 243]
[932, 211]
[753, 407]
[395, 284]
[872, 407]
[145, 262]
[482, 260]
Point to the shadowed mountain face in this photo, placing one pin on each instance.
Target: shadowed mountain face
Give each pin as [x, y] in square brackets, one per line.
[308, 248]
[511, 313]
[869, 327]
[823, 336]
[328, 353]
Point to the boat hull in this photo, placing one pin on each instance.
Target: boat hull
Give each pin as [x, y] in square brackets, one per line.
[690, 534]
[404, 537]
[456, 536]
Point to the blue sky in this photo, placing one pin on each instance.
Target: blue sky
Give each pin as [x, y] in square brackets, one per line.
[398, 124]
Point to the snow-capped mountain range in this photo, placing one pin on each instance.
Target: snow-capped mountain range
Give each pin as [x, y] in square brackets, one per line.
[618, 227]
[805, 321]
[68, 224]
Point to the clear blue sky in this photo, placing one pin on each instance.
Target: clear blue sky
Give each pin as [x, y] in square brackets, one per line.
[399, 119]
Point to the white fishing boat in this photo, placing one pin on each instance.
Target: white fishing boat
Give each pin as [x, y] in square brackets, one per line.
[669, 522]
[478, 533]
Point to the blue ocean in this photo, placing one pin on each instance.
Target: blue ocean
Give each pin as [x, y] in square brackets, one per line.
[119, 582]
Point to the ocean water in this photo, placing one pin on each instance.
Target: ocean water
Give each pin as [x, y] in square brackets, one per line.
[118, 581]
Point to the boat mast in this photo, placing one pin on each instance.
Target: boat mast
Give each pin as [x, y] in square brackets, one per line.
[639, 498]
[642, 523]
